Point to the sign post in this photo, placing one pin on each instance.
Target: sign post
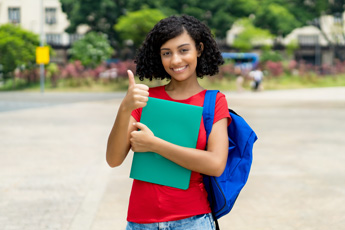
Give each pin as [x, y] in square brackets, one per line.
[42, 55]
[42, 52]
[42, 58]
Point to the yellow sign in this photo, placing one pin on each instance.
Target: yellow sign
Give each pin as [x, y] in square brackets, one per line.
[42, 55]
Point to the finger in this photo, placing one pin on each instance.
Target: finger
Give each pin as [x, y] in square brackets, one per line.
[141, 98]
[134, 133]
[142, 87]
[131, 78]
[139, 105]
[140, 92]
[140, 126]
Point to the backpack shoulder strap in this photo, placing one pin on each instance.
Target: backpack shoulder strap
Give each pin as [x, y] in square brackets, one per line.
[208, 117]
[208, 111]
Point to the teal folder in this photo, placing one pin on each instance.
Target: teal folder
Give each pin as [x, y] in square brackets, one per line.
[176, 123]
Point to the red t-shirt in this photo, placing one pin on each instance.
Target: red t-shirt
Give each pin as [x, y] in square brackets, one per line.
[151, 203]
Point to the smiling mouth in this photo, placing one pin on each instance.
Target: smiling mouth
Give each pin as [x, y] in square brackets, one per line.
[179, 69]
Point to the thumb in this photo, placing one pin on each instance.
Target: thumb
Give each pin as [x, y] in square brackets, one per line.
[143, 128]
[131, 78]
[140, 126]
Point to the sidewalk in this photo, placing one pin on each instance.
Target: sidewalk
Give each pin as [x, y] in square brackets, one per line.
[53, 173]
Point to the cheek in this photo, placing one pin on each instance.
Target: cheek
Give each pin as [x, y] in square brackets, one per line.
[193, 60]
[192, 57]
[165, 63]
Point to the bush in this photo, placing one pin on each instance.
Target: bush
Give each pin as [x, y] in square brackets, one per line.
[269, 55]
[91, 50]
[123, 66]
[274, 68]
[17, 49]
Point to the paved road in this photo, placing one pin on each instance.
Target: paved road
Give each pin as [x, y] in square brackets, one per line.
[53, 173]
[16, 101]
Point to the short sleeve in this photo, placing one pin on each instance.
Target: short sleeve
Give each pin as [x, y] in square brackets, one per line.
[221, 109]
[137, 114]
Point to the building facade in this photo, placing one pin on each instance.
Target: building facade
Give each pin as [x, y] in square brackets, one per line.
[319, 43]
[28, 15]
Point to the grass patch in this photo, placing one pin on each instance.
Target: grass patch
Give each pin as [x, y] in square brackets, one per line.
[307, 81]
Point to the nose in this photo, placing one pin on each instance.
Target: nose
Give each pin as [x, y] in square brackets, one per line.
[176, 59]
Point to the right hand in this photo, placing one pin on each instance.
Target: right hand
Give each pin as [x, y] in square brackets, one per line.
[137, 94]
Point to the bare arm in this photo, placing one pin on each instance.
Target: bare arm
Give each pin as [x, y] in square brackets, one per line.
[118, 140]
[211, 162]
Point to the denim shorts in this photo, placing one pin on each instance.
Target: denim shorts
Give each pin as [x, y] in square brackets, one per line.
[199, 222]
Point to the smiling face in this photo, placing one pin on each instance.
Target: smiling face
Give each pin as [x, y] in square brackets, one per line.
[179, 57]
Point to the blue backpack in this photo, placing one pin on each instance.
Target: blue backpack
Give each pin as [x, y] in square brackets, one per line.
[224, 190]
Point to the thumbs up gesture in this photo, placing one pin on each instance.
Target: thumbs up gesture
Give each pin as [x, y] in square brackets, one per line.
[137, 94]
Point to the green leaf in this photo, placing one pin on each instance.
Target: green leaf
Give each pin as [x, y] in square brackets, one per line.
[91, 50]
[135, 25]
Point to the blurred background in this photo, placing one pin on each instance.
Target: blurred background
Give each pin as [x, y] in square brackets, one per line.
[284, 72]
[298, 43]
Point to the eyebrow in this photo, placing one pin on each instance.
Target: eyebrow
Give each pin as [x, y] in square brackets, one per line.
[177, 47]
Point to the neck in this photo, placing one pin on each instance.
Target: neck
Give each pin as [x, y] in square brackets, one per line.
[183, 90]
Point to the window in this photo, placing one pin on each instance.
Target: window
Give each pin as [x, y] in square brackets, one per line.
[74, 37]
[50, 16]
[337, 19]
[308, 39]
[53, 39]
[14, 15]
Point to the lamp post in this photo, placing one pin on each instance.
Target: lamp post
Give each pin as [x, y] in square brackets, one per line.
[41, 45]
[316, 22]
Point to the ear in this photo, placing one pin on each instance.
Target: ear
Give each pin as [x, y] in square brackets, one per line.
[201, 48]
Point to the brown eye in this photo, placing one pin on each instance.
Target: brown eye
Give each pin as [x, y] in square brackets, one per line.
[165, 53]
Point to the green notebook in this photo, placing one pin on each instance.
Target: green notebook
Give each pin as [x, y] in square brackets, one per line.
[174, 122]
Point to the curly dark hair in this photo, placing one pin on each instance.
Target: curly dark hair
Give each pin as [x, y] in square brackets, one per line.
[148, 59]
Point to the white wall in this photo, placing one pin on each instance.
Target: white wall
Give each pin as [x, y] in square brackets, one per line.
[232, 33]
[334, 29]
[334, 32]
[305, 31]
[31, 16]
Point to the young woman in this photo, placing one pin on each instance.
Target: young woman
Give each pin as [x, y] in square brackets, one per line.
[182, 50]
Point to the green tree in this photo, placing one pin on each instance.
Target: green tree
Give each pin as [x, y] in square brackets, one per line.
[295, 13]
[99, 15]
[135, 25]
[250, 36]
[276, 18]
[335, 7]
[219, 15]
[17, 48]
[91, 50]
[291, 47]
[135, 5]
[270, 55]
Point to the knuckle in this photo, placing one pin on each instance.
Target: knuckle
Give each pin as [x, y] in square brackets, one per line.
[135, 90]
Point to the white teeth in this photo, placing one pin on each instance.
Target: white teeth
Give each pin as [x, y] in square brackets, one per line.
[179, 69]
